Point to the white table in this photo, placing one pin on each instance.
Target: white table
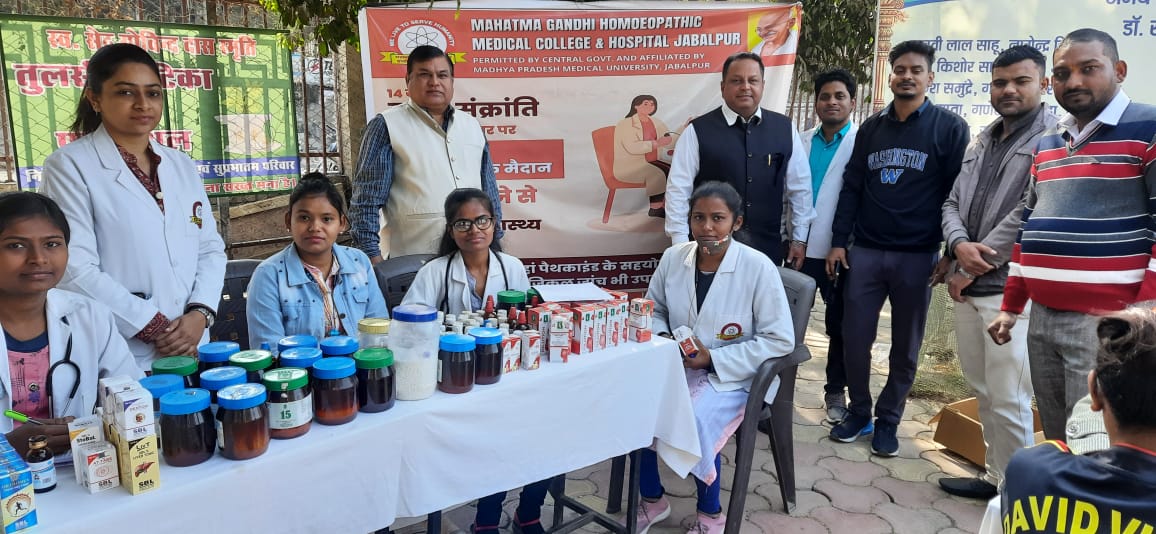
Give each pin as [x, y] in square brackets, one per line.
[418, 457]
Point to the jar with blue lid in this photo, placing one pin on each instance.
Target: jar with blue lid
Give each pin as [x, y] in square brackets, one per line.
[243, 421]
[339, 346]
[158, 385]
[188, 433]
[300, 340]
[215, 379]
[300, 357]
[334, 390]
[216, 354]
[413, 338]
[456, 363]
[487, 354]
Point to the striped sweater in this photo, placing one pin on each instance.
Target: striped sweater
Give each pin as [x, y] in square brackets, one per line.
[1086, 241]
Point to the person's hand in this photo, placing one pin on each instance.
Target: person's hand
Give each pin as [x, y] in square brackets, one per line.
[837, 256]
[956, 283]
[663, 141]
[970, 256]
[1000, 328]
[939, 273]
[182, 335]
[796, 255]
[701, 360]
[55, 429]
[376, 260]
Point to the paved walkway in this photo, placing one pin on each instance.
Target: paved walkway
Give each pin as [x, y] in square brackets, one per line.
[842, 488]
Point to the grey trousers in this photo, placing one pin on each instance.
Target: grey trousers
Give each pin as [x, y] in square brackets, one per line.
[1062, 349]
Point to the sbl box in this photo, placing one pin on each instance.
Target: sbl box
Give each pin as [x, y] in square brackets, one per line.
[584, 327]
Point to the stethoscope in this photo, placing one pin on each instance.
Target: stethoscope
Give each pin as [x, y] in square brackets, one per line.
[444, 306]
[66, 362]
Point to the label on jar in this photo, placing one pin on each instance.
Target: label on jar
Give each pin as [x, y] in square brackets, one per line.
[220, 434]
[43, 474]
[285, 415]
[439, 371]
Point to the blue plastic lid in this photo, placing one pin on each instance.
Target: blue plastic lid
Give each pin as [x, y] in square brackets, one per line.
[339, 345]
[301, 340]
[185, 401]
[241, 396]
[485, 336]
[158, 385]
[414, 313]
[336, 367]
[217, 351]
[456, 343]
[215, 379]
[303, 357]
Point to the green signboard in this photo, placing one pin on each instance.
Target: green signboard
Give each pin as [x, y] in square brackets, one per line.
[228, 95]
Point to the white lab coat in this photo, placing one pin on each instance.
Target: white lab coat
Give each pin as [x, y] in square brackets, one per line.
[429, 285]
[123, 244]
[746, 300]
[97, 348]
[827, 197]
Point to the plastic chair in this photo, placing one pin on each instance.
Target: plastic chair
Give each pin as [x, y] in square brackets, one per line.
[604, 151]
[395, 275]
[231, 324]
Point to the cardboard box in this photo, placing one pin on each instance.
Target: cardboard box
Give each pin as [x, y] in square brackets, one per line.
[639, 321]
[616, 295]
[132, 410]
[138, 463]
[511, 352]
[98, 466]
[582, 341]
[540, 319]
[559, 343]
[641, 307]
[17, 505]
[600, 324]
[685, 338]
[959, 430]
[531, 349]
[82, 431]
[638, 335]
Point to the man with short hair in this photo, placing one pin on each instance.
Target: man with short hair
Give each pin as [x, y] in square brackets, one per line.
[412, 156]
[1086, 242]
[757, 151]
[980, 221]
[828, 148]
[905, 160]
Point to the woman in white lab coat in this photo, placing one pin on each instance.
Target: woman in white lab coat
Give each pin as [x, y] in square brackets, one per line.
[54, 340]
[732, 298]
[144, 241]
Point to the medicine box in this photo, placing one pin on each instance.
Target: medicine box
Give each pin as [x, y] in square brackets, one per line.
[98, 466]
[641, 306]
[584, 325]
[531, 349]
[82, 431]
[16, 495]
[511, 352]
[638, 335]
[138, 463]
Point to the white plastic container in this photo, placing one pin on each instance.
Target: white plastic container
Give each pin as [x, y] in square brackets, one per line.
[413, 338]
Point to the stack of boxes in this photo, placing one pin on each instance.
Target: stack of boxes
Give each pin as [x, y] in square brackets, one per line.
[128, 424]
[639, 322]
[93, 458]
[17, 509]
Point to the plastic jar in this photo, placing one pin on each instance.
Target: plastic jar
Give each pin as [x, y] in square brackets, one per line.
[158, 385]
[375, 379]
[217, 378]
[373, 333]
[413, 338]
[335, 390]
[456, 363]
[254, 362]
[216, 354]
[189, 435]
[182, 366]
[242, 421]
[300, 357]
[487, 355]
[512, 301]
[290, 402]
[339, 346]
[302, 340]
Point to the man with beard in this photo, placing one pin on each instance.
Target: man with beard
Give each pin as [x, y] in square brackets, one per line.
[1086, 241]
[905, 159]
[980, 220]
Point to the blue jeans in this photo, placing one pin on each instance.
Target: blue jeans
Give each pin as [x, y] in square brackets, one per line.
[650, 485]
[529, 505]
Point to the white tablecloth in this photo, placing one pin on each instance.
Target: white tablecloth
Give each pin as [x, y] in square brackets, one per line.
[417, 457]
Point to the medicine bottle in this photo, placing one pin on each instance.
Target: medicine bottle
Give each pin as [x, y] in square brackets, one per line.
[375, 380]
[456, 363]
[487, 355]
[339, 346]
[335, 390]
[254, 362]
[373, 333]
[290, 402]
[215, 379]
[41, 465]
[188, 434]
[242, 421]
[300, 357]
[216, 354]
[183, 366]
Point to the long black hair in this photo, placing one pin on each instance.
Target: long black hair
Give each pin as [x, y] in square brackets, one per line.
[24, 204]
[454, 202]
[102, 66]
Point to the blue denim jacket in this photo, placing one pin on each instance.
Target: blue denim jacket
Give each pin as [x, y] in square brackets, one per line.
[284, 300]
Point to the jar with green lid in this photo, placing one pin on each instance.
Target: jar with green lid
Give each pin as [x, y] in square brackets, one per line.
[373, 333]
[290, 402]
[254, 362]
[182, 366]
[375, 380]
[512, 301]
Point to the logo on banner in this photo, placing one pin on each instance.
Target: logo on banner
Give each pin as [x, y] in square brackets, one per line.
[420, 32]
[731, 331]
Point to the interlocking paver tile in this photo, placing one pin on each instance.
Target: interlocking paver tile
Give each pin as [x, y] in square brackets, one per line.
[853, 473]
[965, 515]
[912, 521]
[785, 524]
[914, 470]
[841, 522]
[909, 494]
[851, 498]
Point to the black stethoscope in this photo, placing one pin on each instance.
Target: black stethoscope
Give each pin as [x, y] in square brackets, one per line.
[66, 362]
[444, 306]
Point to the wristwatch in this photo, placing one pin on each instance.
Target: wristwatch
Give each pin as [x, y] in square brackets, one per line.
[965, 274]
[210, 317]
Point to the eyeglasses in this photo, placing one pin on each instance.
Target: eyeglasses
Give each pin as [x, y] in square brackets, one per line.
[463, 225]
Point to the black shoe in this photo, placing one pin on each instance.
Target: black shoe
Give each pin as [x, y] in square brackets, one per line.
[884, 442]
[972, 488]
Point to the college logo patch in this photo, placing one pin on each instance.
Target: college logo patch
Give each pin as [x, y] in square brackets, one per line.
[195, 218]
[730, 331]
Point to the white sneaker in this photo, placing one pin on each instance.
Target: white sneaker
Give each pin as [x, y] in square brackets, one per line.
[650, 513]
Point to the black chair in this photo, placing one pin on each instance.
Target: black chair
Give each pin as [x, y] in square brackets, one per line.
[395, 275]
[776, 419]
[231, 324]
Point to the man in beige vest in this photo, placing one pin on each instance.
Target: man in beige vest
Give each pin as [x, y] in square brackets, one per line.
[412, 156]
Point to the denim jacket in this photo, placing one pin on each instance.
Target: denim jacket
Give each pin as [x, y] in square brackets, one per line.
[284, 300]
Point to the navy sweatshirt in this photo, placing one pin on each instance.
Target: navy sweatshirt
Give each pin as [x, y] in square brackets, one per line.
[897, 179]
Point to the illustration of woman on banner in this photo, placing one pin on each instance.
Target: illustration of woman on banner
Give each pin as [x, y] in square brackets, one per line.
[642, 148]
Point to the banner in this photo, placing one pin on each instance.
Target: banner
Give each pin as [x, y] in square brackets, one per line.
[566, 93]
[228, 96]
[969, 34]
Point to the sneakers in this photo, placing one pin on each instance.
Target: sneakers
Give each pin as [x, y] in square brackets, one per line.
[651, 512]
[884, 442]
[707, 524]
[836, 404]
[972, 488]
[852, 427]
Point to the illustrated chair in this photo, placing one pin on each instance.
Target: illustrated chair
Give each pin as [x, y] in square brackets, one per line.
[604, 150]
